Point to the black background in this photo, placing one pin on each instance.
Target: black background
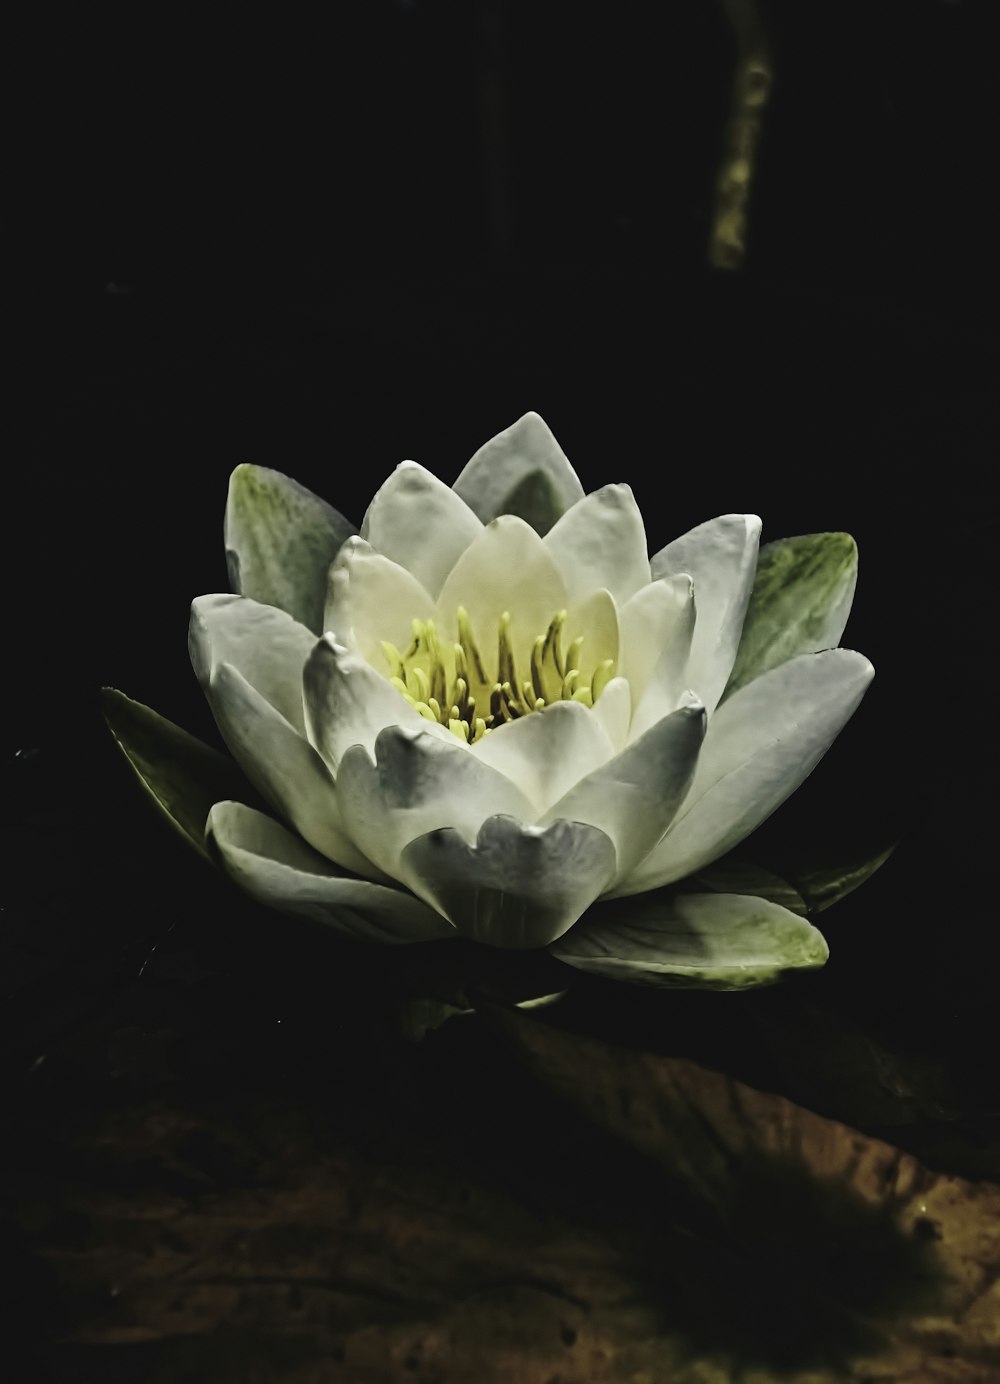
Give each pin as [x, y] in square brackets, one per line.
[324, 245]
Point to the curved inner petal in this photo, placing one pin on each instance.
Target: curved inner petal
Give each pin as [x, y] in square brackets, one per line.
[601, 542]
[416, 784]
[506, 570]
[546, 754]
[372, 600]
[421, 523]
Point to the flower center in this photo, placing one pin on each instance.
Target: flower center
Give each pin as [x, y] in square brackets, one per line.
[449, 682]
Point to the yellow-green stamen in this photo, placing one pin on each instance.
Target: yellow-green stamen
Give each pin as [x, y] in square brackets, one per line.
[447, 682]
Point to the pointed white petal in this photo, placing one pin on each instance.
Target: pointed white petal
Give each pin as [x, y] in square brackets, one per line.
[547, 752]
[601, 542]
[761, 744]
[280, 539]
[506, 569]
[267, 646]
[657, 628]
[419, 522]
[710, 941]
[284, 767]
[720, 557]
[633, 797]
[516, 886]
[277, 869]
[613, 710]
[521, 471]
[419, 783]
[347, 703]
[372, 599]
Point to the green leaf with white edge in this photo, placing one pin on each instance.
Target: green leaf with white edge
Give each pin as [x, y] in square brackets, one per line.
[183, 776]
[521, 471]
[734, 876]
[802, 595]
[824, 885]
[280, 540]
[693, 941]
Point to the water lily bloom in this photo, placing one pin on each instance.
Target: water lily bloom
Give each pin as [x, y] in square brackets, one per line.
[490, 713]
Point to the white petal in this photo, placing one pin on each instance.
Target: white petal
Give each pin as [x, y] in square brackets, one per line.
[267, 646]
[419, 522]
[284, 767]
[761, 744]
[507, 569]
[521, 471]
[348, 703]
[601, 542]
[721, 558]
[704, 941]
[595, 620]
[371, 599]
[658, 624]
[279, 870]
[548, 751]
[419, 783]
[633, 798]
[516, 886]
[613, 710]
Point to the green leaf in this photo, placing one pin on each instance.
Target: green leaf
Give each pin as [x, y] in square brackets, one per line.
[734, 876]
[692, 941]
[183, 776]
[823, 885]
[280, 540]
[801, 598]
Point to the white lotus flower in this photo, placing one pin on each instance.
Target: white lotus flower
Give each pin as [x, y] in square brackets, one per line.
[491, 714]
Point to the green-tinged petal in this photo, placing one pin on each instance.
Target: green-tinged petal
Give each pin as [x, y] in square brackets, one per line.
[594, 622]
[347, 703]
[700, 941]
[731, 876]
[506, 570]
[280, 540]
[522, 471]
[417, 784]
[657, 627]
[802, 596]
[420, 523]
[720, 556]
[824, 885]
[633, 797]
[181, 774]
[547, 753]
[265, 644]
[286, 769]
[516, 886]
[279, 870]
[761, 744]
[601, 542]
[372, 600]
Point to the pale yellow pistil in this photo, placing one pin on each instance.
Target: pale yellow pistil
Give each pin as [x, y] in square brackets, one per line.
[449, 683]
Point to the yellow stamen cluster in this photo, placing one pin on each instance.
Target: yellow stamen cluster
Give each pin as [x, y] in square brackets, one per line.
[449, 683]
